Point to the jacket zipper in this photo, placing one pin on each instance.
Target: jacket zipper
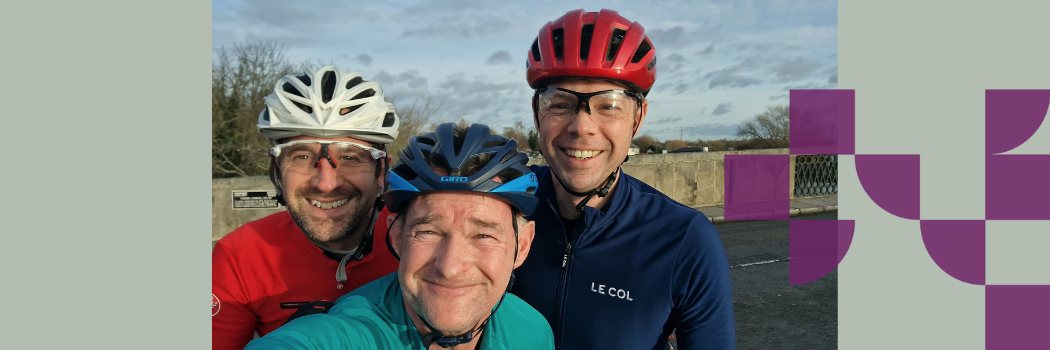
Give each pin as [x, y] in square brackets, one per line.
[564, 280]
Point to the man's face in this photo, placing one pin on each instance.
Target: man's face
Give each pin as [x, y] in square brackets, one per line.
[328, 204]
[457, 253]
[584, 149]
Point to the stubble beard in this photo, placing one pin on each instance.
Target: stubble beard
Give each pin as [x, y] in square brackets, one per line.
[327, 230]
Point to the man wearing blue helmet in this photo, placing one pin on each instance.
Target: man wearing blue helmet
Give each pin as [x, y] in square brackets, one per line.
[460, 196]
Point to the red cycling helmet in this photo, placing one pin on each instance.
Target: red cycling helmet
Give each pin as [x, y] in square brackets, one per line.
[595, 45]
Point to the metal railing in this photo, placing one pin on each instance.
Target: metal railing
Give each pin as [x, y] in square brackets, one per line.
[816, 175]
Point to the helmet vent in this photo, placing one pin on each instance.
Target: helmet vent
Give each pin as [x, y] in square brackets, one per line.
[365, 94]
[426, 141]
[535, 52]
[353, 82]
[558, 38]
[509, 174]
[388, 120]
[614, 43]
[304, 78]
[292, 90]
[531, 190]
[327, 86]
[643, 49]
[585, 40]
[651, 64]
[351, 109]
[405, 172]
[494, 143]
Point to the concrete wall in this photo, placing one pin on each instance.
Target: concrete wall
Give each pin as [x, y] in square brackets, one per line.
[693, 179]
[223, 217]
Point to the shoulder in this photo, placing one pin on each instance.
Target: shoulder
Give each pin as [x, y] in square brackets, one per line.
[518, 325]
[351, 329]
[271, 226]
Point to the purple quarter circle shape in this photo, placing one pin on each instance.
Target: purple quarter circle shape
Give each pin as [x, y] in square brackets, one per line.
[892, 182]
[957, 246]
[816, 247]
[1011, 117]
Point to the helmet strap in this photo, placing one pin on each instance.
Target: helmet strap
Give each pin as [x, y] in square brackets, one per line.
[601, 190]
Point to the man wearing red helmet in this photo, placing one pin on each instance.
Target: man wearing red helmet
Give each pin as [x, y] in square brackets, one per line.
[615, 263]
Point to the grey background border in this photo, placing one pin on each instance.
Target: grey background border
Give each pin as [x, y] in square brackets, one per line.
[106, 129]
[112, 250]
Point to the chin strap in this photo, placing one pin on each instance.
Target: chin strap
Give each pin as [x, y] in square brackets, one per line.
[449, 341]
[601, 191]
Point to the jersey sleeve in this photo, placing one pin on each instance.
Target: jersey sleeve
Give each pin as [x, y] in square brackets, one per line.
[317, 332]
[703, 301]
[232, 322]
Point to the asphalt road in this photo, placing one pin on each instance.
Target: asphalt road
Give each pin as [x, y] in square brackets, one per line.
[770, 313]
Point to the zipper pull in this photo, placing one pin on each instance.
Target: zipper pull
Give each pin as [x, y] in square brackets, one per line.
[565, 258]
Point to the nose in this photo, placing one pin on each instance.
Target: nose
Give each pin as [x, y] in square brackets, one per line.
[582, 124]
[453, 257]
[326, 179]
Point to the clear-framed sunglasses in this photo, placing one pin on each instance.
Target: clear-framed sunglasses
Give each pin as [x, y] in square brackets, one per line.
[602, 106]
[305, 156]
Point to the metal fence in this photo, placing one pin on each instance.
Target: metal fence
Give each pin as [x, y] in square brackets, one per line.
[816, 175]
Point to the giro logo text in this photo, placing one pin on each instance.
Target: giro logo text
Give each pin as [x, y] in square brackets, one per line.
[453, 179]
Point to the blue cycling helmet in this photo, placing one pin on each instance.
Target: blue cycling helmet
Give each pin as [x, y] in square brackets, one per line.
[477, 162]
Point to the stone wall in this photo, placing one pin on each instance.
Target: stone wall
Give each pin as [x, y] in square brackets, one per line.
[693, 179]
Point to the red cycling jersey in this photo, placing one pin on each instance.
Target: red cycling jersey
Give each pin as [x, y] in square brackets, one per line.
[269, 263]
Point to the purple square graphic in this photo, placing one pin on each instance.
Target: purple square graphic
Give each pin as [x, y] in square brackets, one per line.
[822, 121]
[757, 187]
[1017, 187]
[1017, 317]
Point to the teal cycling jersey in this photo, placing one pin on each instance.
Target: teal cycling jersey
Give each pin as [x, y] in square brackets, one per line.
[374, 317]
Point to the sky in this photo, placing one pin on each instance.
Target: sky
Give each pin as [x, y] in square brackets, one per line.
[718, 62]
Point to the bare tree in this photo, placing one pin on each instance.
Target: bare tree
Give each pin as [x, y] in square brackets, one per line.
[241, 76]
[519, 133]
[415, 118]
[674, 144]
[769, 127]
[643, 142]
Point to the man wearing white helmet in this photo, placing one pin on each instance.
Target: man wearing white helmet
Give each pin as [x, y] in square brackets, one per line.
[328, 163]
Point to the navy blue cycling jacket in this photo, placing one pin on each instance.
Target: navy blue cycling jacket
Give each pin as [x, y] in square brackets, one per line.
[628, 274]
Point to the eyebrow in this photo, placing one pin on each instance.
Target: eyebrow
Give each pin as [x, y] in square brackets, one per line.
[423, 220]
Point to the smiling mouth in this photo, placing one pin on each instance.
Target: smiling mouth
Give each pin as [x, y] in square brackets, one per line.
[580, 154]
[331, 205]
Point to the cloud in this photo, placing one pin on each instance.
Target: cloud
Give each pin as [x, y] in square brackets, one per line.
[722, 108]
[795, 70]
[364, 59]
[409, 78]
[710, 49]
[728, 76]
[498, 57]
[666, 121]
[834, 79]
[680, 88]
[458, 29]
[777, 97]
[678, 37]
[732, 81]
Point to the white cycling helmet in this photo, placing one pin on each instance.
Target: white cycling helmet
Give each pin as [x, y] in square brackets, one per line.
[328, 103]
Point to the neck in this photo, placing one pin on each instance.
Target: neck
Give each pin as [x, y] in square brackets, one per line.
[352, 240]
[423, 330]
[567, 202]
